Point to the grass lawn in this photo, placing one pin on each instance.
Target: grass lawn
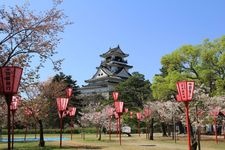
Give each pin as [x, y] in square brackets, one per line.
[128, 143]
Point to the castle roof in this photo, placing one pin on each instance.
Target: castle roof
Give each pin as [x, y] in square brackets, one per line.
[105, 74]
[114, 51]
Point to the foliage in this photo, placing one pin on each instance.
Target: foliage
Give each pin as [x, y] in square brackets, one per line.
[134, 91]
[203, 63]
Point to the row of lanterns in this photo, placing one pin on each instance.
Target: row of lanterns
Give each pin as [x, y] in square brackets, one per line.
[119, 110]
[10, 77]
[63, 110]
[185, 94]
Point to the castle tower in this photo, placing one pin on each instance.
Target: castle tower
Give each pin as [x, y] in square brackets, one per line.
[112, 70]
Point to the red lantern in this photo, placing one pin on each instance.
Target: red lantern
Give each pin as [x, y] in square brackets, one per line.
[119, 107]
[62, 103]
[110, 111]
[131, 114]
[116, 115]
[14, 103]
[138, 116]
[215, 112]
[119, 110]
[72, 111]
[69, 92]
[185, 93]
[10, 79]
[147, 112]
[13, 108]
[115, 96]
[185, 90]
[64, 113]
[178, 98]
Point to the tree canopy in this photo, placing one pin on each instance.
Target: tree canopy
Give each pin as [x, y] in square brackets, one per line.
[203, 63]
[27, 35]
[134, 91]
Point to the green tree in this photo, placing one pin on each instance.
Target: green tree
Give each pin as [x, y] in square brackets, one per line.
[134, 91]
[203, 63]
[213, 65]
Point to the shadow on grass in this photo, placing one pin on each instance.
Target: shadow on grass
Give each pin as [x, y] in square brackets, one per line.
[148, 145]
[57, 147]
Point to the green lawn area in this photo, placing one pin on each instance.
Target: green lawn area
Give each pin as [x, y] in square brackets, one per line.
[128, 143]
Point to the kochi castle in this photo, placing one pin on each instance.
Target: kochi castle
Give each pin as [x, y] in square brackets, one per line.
[113, 69]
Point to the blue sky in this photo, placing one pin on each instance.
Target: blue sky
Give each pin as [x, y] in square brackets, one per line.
[145, 29]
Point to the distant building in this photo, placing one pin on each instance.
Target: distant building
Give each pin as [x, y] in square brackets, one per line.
[112, 70]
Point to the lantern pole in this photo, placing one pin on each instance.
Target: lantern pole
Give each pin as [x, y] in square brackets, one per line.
[61, 116]
[115, 98]
[110, 124]
[119, 127]
[223, 129]
[71, 124]
[117, 122]
[8, 101]
[138, 118]
[13, 114]
[119, 110]
[215, 129]
[9, 82]
[188, 124]
[13, 108]
[61, 104]
[139, 127]
[185, 92]
[71, 113]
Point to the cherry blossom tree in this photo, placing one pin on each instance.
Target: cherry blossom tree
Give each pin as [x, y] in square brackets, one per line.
[27, 35]
[38, 106]
[96, 115]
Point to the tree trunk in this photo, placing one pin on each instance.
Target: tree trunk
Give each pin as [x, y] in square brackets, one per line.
[35, 134]
[99, 133]
[151, 129]
[181, 127]
[83, 133]
[0, 133]
[199, 137]
[194, 142]
[41, 142]
[170, 129]
[163, 126]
